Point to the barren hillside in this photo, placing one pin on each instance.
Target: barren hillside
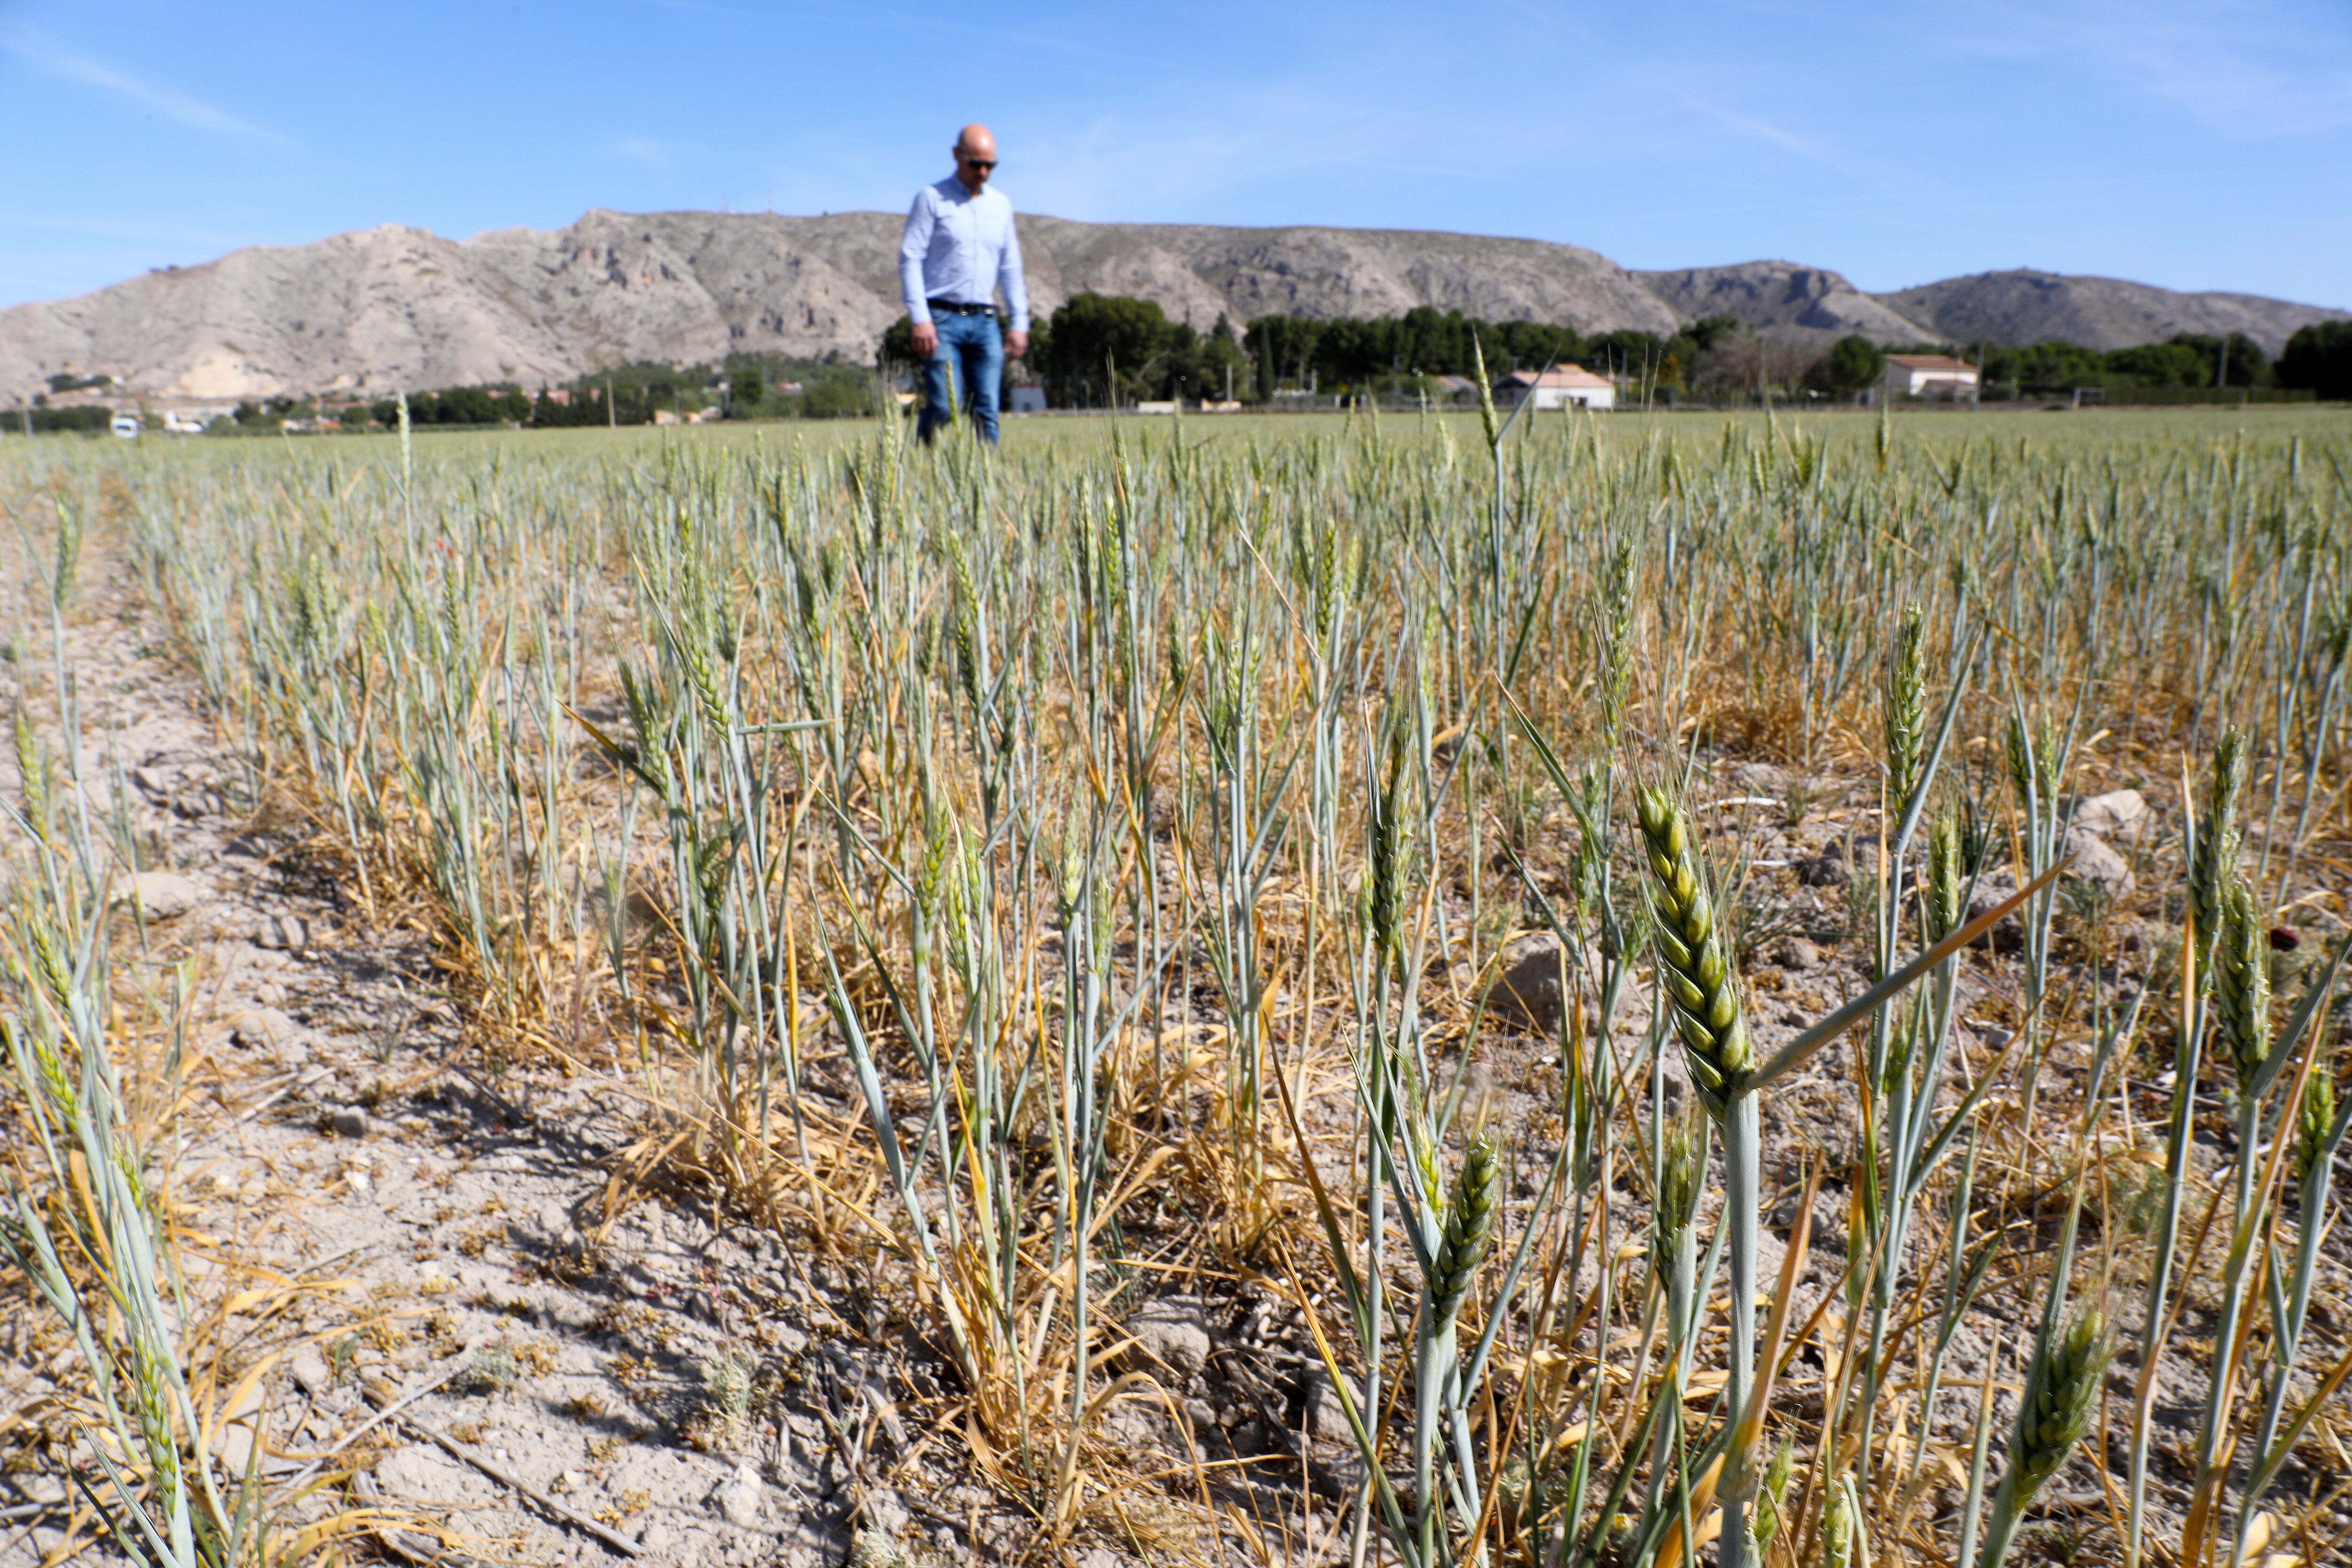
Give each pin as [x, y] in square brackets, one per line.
[397, 307]
[2097, 312]
[1783, 296]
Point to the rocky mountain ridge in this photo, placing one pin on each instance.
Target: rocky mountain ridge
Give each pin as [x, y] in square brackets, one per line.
[397, 307]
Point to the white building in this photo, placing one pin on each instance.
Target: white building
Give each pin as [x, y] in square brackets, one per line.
[1929, 375]
[1563, 386]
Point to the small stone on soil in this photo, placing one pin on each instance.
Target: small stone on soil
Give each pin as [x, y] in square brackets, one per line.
[1172, 1333]
[162, 894]
[1527, 991]
[2110, 813]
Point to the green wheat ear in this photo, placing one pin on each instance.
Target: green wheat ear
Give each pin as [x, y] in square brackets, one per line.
[1840, 1524]
[2062, 1391]
[1696, 965]
[2317, 1118]
[2242, 980]
[1469, 1224]
[2217, 846]
[1486, 416]
[1684, 1175]
[1947, 884]
[1771, 1498]
[1907, 709]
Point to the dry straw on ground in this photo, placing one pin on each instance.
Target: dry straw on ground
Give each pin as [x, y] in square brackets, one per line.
[1055, 897]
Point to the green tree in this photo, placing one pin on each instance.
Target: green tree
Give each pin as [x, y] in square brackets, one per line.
[1095, 336]
[1709, 330]
[1223, 363]
[2046, 367]
[1623, 352]
[1855, 362]
[2319, 358]
[898, 344]
[836, 393]
[2244, 365]
[1283, 350]
[1532, 345]
[2173, 364]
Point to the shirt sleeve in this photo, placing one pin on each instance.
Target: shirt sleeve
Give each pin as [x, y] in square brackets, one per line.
[1009, 277]
[914, 248]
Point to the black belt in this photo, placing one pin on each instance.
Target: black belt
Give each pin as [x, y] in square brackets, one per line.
[957, 307]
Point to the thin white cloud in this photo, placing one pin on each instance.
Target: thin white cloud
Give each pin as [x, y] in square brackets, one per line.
[39, 53]
[1757, 129]
[2248, 68]
[653, 151]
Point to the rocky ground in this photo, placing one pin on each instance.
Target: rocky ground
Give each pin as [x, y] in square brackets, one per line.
[511, 1369]
[506, 1370]
[670, 1392]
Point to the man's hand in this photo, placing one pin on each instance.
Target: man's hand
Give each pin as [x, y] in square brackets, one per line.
[926, 338]
[1017, 344]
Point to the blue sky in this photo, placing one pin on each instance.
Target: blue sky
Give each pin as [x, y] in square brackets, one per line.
[2193, 145]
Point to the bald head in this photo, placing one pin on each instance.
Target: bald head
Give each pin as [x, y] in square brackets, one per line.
[975, 156]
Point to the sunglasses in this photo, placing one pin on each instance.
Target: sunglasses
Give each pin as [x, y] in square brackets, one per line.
[975, 162]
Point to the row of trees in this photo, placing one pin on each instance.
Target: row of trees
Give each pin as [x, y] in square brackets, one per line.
[2185, 359]
[42, 419]
[745, 387]
[1402, 354]
[1099, 349]
[1105, 350]
[458, 405]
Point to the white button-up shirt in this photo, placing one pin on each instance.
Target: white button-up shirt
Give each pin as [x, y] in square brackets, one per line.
[961, 247]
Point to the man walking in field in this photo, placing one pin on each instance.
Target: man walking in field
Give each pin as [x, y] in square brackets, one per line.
[959, 249]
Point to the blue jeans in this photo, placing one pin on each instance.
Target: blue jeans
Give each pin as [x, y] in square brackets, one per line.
[972, 350]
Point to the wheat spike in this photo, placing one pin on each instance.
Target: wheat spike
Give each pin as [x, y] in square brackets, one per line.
[1840, 1524]
[2315, 1121]
[1696, 968]
[2242, 982]
[2217, 845]
[1683, 1177]
[2062, 1390]
[1947, 883]
[1907, 709]
[1469, 1224]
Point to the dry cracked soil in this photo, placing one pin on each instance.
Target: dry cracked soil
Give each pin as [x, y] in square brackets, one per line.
[507, 1378]
[507, 1370]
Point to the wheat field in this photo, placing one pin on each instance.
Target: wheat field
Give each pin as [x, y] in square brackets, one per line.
[1384, 989]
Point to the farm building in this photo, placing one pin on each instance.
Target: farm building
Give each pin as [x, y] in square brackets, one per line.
[1564, 386]
[1928, 375]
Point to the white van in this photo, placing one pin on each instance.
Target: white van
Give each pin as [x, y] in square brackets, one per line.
[126, 425]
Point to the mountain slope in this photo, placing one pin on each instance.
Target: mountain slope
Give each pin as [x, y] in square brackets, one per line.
[2024, 306]
[396, 307]
[1781, 296]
